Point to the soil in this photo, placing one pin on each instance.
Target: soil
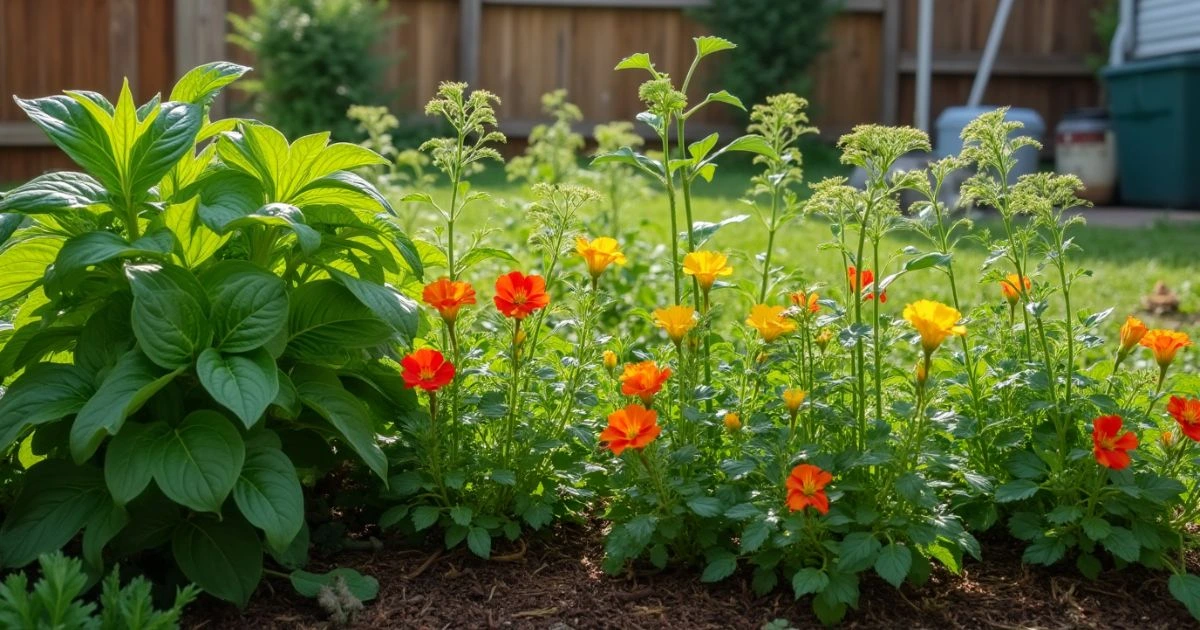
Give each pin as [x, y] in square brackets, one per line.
[555, 582]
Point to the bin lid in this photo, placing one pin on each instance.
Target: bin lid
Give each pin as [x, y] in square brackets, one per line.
[1154, 64]
[953, 119]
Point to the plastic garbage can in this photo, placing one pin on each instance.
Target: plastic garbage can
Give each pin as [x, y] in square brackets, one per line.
[951, 122]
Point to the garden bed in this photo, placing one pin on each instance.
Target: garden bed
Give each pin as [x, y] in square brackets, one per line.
[557, 583]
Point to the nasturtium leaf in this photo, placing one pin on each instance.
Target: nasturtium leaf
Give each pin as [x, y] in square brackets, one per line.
[129, 462]
[79, 133]
[130, 383]
[391, 306]
[362, 587]
[54, 192]
[24, 264]
[809, 580]
[57, 499]
[223, 557]
[202, 83]
[243, 383]
[42, 393]
[198, 461]
[893, 563]
[269, 495]
[349, 416]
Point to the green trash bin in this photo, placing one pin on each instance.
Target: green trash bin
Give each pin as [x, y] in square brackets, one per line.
[1155, 108]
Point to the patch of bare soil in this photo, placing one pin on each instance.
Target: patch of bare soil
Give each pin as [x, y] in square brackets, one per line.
[556, 583]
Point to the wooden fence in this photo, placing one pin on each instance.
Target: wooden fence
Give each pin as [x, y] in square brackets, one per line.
[520, 49]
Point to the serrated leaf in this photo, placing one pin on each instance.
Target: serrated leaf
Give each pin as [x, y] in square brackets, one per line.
[721, 564]
[462, 515]
[425, 516]
[1016, 490]
[1185, 587]
[893, 563]
[857, 551]
[809, 580]
[707, 507]
[709, 44]
[1122, 544]
[479, 541]
[637, 61]
[1045, 551]
[1096, 528]
[754, 535]
[1064, 514]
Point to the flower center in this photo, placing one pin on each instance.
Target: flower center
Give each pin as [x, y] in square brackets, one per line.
[631, 433]
[427, 374]
[1108, 443]
[519, 297]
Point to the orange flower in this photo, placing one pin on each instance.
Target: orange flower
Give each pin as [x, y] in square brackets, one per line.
[519, 295]
[1112, 450]
[676, 320]
[1132, 332]
[806, 301]
[732, 421]
[447, 296]
[867, 280]
[706, 266]
[632, 427]
[599, 254]
[428, 369]
[643, 380]
[806, 487]
[793, 397]
[1164, 344]
[1010, 286]
[1187, 413]
[769, 322]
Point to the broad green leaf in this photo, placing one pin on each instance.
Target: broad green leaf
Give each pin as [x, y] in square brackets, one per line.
[349, 416]
[362, 587]
[461, 515]
[170, 317]
[830, 613]
[94, 248]
[477, 255]
[340, 156]
[344, 189]
[1186, 588]
[249, 306]
[24, 263]
[222, 557]
[754, 535]
[165, 140]
[197, 242]
[130, 383]
[269, 495]
[258, 150]
[226, 195]
[202, 83]
[106, 336]
[9, 222]
[721, 564]
[403, 244]
[425, 516]
[749, 144]
[1122, 543]
[79, 133]
[626, 155]
[1089, 565]
[637, 61]
[57, 499]
[925, 261]
[325, 318]
[706, 507]
[123, 132]
[42, 393]
[1016, 490]
[198, 462]
[129, 462]
[109, 520]
[726, 98]
[25, 455]
[809, 580]
[700, 148]
[54, 192]
[479, 541]
[702, 231]
[893, 563]
[709, 44]
[296, 555]
[391, 306]
[857, 551]
[1045, 551]
[280, 215]
[243, 383]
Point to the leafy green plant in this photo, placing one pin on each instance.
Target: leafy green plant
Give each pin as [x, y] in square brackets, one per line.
[54, 601]
[553, 150]
[770, 60]
[622, 185]
[316, 59]
[200, 327]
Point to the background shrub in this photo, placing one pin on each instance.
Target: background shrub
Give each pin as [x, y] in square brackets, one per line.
[314, 60]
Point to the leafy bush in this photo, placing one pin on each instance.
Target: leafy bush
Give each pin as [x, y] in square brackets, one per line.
[54, 600]
[552, 152]
[201, 327]
[316, 59]
[775, 59]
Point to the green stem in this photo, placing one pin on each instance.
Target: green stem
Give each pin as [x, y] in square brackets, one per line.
[762, 293]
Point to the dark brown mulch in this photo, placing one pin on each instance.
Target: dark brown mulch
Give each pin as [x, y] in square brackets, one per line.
[558, 584]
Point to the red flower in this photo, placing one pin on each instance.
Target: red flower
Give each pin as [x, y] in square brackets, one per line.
[427, 369]
[1187, 413]
[519, 295]
[447, 296]
[867, 280]
[632, 427]
[806, 487]
[1112, 450]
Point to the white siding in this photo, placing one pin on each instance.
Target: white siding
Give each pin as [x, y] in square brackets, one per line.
[1165, 27]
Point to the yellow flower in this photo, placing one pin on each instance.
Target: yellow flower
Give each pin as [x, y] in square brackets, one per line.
[934, 321]
[769, 322]
[676, 320]
[610, 360]
[599, 253]
[824, 338]
[706, 266]
[733, 422]
[793, 397]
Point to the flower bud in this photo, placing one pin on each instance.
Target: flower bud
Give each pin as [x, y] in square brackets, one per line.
[1167, 438]
[519, 338]
[921, 372]
[610, 360]
[733, 422]
[824, 338]
[792, 398]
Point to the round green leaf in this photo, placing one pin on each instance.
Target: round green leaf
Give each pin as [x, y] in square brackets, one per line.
[223, 557]
[243, 383]
[249, 305]
[269, 495]
[363, 587]
[199, 461]
[129, 462]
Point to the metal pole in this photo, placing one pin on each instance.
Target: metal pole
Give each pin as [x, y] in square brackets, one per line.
[924, 64]
[989, 52]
